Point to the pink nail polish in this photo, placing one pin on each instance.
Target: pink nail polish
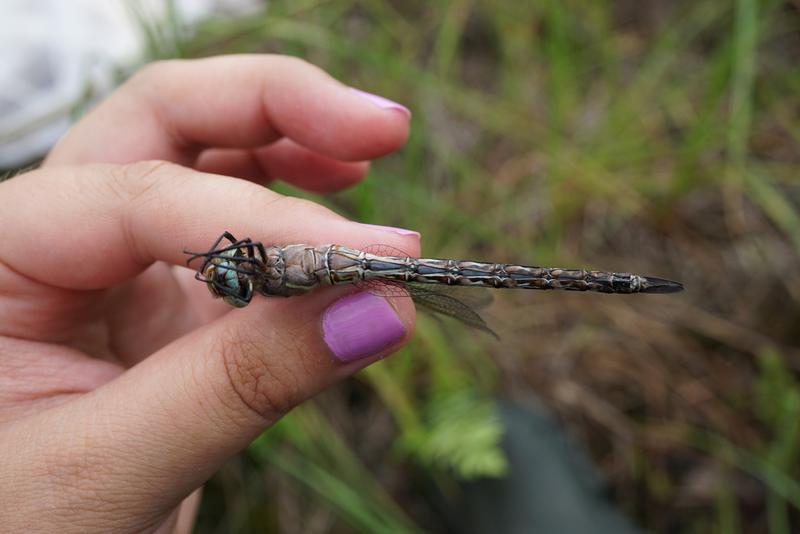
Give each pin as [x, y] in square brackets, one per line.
[381, 102]
[392, 229]
[360, 325]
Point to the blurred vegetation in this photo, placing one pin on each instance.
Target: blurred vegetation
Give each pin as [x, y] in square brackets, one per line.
[657, 137]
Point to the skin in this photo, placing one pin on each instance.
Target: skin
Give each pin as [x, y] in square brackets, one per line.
[123, 385]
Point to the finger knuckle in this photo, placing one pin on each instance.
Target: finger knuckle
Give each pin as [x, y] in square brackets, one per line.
[124, 182]
[152, 71]
[294, 63]
[132, 181]
[259, 381]
[135, 185]
[303, 207]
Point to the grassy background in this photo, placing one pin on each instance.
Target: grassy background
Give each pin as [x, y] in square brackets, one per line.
[657, 137]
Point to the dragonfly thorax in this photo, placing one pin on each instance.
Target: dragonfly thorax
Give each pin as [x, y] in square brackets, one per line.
[292, 270]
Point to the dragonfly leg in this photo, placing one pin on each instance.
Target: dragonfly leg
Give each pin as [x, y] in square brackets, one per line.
[220, 253]
[195, 255]
[246, 243]
[260, 247]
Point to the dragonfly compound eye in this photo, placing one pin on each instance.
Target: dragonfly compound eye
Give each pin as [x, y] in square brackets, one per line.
[224, 281]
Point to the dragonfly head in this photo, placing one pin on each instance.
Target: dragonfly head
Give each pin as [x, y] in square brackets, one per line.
[227, 280]
[230, 271]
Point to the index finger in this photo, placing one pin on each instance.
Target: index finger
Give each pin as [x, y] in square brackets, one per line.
[172, 110]
[93, 226]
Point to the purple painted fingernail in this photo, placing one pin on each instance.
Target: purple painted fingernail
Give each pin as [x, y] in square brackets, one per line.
[381, 102]
[400, 231]
[360, 325]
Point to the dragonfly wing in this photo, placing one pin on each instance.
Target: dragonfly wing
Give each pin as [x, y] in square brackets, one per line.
[384, 288]
[477, 298]
[438, 302]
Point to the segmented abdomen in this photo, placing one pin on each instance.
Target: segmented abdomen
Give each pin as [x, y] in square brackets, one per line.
[498, 275]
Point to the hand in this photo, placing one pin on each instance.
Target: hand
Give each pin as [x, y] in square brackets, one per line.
[123, 385]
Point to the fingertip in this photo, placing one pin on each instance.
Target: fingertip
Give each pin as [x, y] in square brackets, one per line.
[394, 230]
[322, 114]
[385, 125]
[363, 326]
[382, 102]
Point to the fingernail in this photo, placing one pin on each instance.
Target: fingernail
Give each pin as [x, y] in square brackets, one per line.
[381, 102]
[392, 229]
[360, 325]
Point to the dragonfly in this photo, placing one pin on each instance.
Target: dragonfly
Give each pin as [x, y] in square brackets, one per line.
[238, 269]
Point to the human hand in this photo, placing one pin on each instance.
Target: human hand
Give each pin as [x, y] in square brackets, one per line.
[123, 385]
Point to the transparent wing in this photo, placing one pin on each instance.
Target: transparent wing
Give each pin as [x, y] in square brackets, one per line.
[386, 250]
[436, 301]
[477, 298]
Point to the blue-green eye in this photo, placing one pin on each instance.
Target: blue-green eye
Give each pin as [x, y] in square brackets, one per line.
[230, 278]
[236, 302]
[226, 282]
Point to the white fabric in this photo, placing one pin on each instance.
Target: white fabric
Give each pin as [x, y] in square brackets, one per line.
[56, 52]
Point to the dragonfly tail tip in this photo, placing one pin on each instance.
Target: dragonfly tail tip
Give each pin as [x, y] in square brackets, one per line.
[660, 285]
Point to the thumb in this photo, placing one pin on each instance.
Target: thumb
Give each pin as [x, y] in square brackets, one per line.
[137, 446]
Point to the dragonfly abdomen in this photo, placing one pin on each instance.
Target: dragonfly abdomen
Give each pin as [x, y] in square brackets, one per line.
[498, 275]
[344, 266]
